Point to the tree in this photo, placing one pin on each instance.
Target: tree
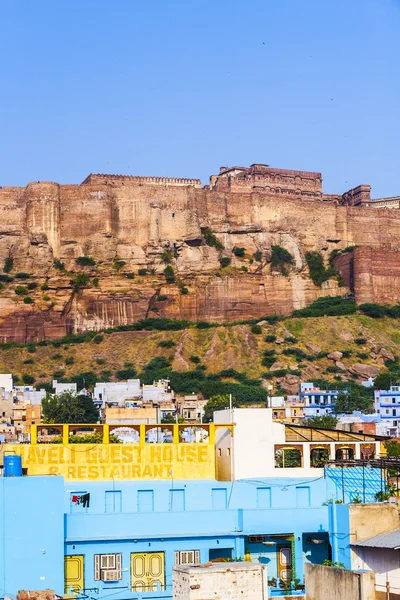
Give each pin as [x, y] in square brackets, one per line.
[392, 448]
[219, 402]
[322, 421]
[69, 408]
[354, 400]
[384, 380]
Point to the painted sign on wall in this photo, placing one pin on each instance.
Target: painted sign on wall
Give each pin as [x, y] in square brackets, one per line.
[118, 461]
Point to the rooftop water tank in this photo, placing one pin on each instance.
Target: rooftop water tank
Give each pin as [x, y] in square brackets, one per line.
[12, 466]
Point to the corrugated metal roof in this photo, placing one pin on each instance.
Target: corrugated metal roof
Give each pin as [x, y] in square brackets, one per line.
[390, 539]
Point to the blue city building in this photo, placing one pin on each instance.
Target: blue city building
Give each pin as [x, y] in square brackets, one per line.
[317, 402]
[120, 537]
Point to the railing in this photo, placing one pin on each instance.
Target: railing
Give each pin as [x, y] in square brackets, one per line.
[105, 430]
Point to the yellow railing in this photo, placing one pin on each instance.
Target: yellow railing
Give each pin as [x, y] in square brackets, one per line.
[142, 429]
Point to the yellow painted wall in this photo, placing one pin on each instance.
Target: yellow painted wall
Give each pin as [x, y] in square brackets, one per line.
[118, 461]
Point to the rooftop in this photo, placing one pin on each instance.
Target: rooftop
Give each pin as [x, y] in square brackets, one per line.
[390, 539]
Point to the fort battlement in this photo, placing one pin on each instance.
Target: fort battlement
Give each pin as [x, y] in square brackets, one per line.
[104, 179]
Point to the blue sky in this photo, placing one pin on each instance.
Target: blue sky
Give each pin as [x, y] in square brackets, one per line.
[180, 87]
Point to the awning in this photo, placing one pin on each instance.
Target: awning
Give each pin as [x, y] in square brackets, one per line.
[390, 539]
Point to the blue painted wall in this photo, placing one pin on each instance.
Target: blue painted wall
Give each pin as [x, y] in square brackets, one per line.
[31, 534]
[128, 517]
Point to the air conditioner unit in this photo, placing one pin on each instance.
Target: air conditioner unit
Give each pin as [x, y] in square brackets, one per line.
[111, 575]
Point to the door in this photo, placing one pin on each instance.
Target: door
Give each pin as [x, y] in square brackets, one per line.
[147, 572]
[284, 562]
[73, 574]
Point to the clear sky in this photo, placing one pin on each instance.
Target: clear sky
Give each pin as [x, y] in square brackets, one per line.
[181, 87]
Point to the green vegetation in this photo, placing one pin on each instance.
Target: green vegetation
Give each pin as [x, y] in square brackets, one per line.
[195, 359]
[256, 329]
[95, 282]
[167, 257]
[44, 287]
[239, 252]
[281, 259]
[376, 311]
[8, 264]
[21, 290]
[142, 272]
[225, 261]
[22, 275]
[58, 265]
[318, 272]
[162, 298]
[69, 408]
[270, 338]
[211, 240]
[360, 341]
[32, 285]
[28, 379]
[166, 344]
[85, 261]
[169, 274]
[118, 264]
[182, 288]
[257, 255]
[69, 360]
[79, 281]
[357, 398]
[218, 402]
[28, 300]
[330, 306]
[6, 278]
[129, 373]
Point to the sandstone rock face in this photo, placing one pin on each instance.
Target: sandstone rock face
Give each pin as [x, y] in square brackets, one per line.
[313, 348]
[365, 371]
[138, 222]
[336, 355]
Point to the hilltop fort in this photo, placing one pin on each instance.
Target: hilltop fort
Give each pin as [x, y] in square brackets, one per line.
[132, 228]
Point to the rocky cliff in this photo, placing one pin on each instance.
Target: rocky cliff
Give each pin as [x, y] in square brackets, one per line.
[127, 224]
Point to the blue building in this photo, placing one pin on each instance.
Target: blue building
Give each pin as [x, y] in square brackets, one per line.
[120, 537]
[387, 407]
[317, 402]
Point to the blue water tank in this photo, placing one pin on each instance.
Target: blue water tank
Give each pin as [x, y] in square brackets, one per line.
[12, 466]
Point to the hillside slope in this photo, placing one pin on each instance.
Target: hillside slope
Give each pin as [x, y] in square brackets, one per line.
[281, 355]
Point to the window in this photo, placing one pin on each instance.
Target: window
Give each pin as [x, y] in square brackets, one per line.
[256, 539]
[113, 501]
[302, 496]
[177, 500]
[387, 411]
[145, 500]
[187, 557]
[218, 498]
[107, 567]
[263, 497]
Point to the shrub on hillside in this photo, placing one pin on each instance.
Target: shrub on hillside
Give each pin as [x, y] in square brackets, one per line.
[239, 252]
[85, 261]
[318, 272]
[330, 306]
[281, 259]
[372, 310]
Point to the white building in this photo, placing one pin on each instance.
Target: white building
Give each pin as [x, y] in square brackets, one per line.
[232, 581]
[29, 394]
[261, 447]
[117, 392]
[59, 388]
[6, 382]
[387, 406]
[159, 391]
[317, 402]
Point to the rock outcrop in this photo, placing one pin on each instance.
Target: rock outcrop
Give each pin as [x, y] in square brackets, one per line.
[127, 224]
